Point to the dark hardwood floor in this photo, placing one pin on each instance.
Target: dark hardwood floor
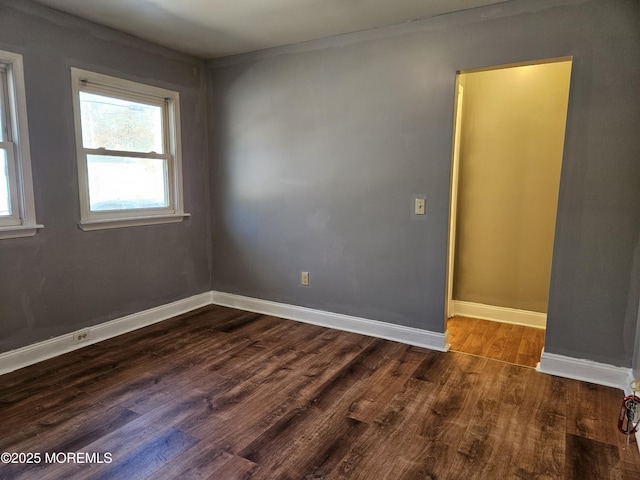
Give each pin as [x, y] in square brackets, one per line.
[226, 394]
[500, 341]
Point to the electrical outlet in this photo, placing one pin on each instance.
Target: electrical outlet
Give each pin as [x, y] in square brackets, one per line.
[635, 386]
[304, 278]
[81, 336]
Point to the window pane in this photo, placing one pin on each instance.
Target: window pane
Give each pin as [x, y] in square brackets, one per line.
[121, 183]
[5, 204]
[3, 107]
[117, 124]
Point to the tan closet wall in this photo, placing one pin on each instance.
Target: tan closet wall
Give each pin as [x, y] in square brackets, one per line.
[512, 136]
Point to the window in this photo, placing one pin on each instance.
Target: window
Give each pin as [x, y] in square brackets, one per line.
[128, 143]
[17, 209]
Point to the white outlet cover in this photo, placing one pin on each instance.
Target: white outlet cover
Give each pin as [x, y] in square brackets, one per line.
[419, 206]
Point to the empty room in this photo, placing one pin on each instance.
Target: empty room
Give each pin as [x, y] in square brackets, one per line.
[303, 239]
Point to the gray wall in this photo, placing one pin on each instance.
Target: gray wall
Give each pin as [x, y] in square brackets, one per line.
[64, 279]
[318, 149]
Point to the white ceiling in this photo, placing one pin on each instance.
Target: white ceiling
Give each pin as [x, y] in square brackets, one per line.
[216, 28]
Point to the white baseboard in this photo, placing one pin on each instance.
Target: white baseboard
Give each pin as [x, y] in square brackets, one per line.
[585, 370]
[22, 357]
[373, 328]
[499, 314]
[552, 364]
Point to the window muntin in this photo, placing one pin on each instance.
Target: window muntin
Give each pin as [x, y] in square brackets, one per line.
[128, 152]
[17, 209]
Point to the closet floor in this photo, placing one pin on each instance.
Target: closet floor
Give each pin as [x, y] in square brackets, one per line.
[496, 340]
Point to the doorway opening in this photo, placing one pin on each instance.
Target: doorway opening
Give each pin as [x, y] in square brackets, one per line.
[507, 154]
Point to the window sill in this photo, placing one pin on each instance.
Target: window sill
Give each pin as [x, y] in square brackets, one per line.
[19, 231]
[104, 224]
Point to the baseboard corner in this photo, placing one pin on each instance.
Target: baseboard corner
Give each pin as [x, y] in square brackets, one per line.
[373, 328]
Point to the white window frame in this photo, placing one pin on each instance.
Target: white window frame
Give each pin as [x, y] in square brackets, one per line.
[22, 221]
[87, 81]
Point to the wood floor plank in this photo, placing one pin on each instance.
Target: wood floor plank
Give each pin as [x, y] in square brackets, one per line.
[386, 382]
[138, 433]
[589, 459]
[490, 420]
[226, 394]
[530, 348]
[424, 422]
[246, 412]
[594, 413]
[454, 370]
[232, 468]
[503, 343]
[77, 431]
[280, 451]
[539, 429]
[514, 336]
[395, 442]
[476, 340]
[147, 459]
[328, 430]
[506, 342]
